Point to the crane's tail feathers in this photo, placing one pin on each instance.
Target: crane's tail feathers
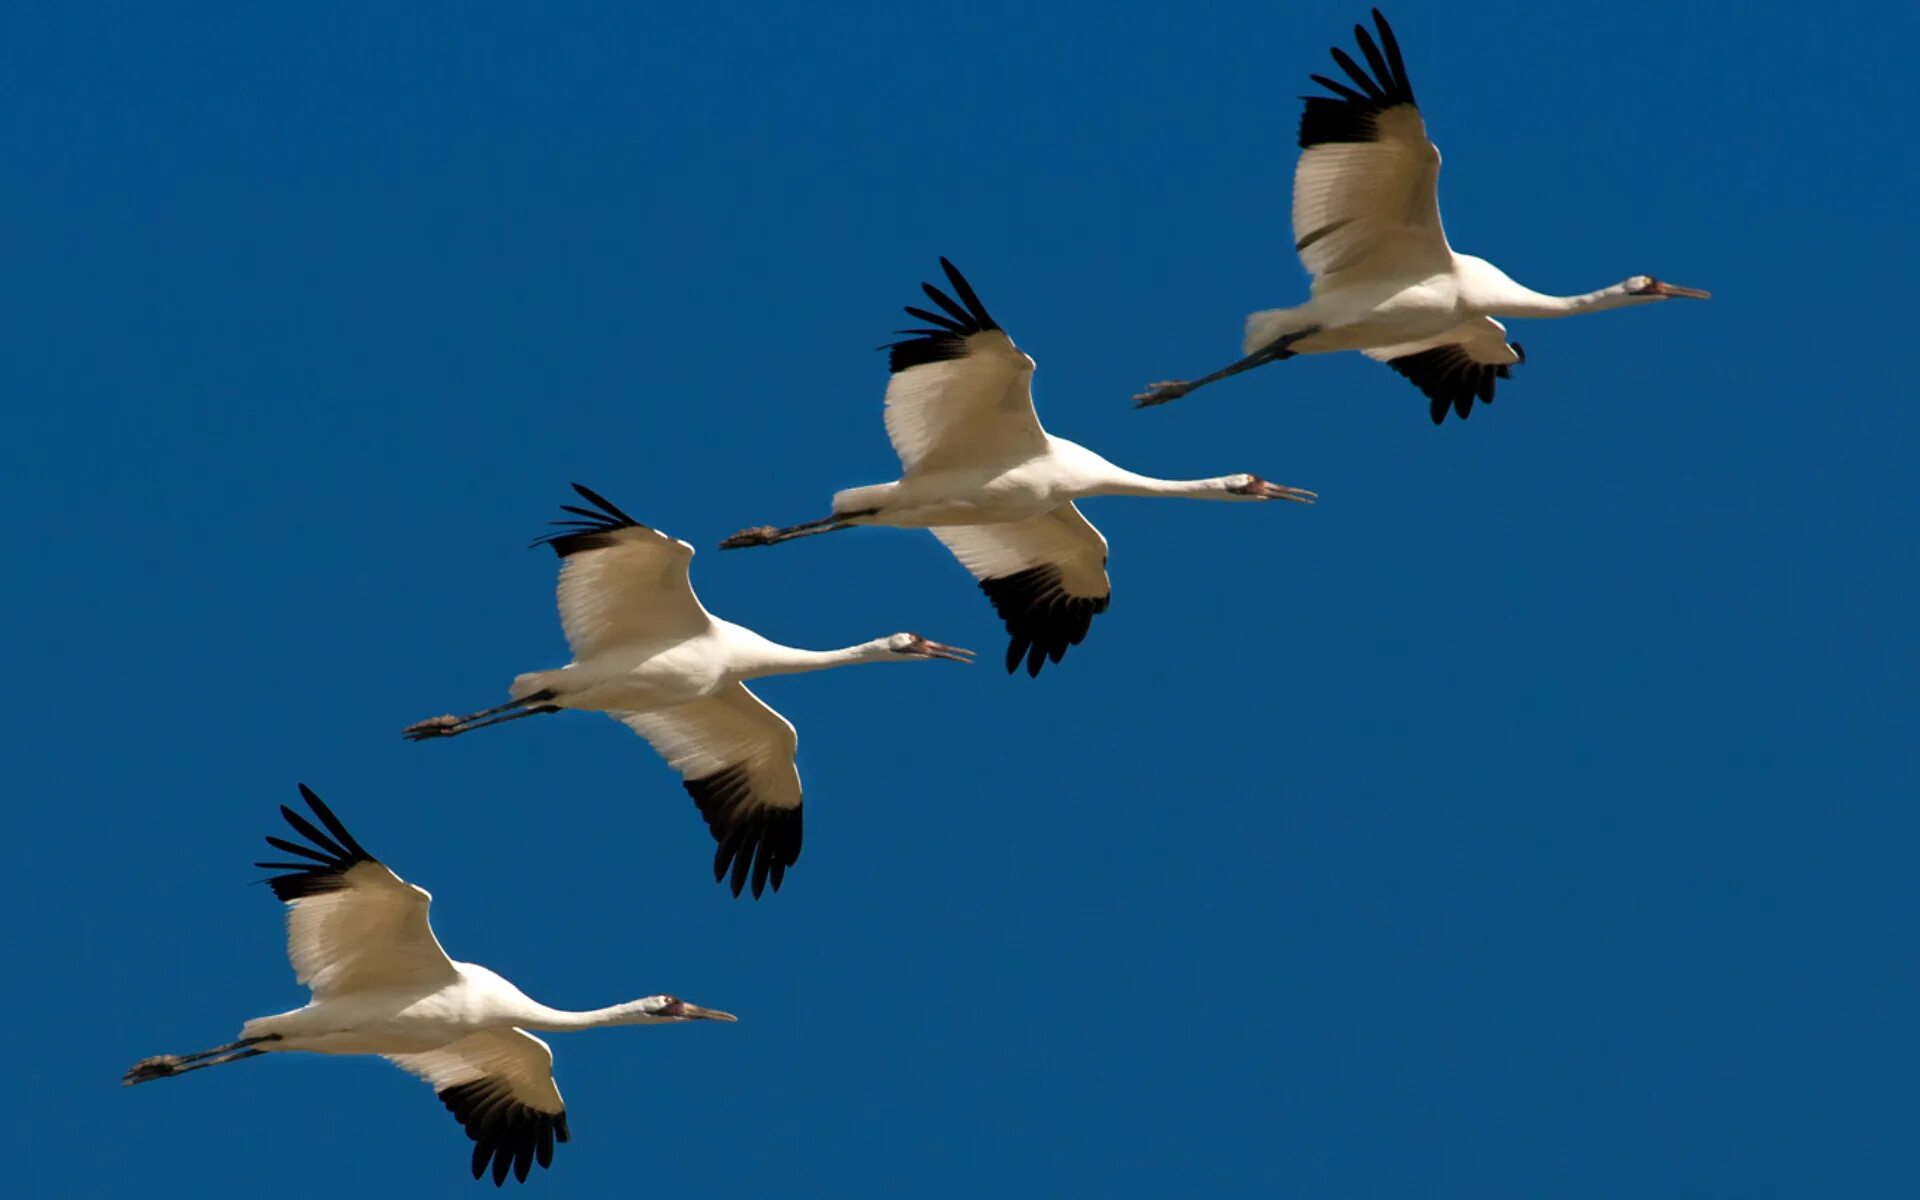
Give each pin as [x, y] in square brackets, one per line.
[1264, 327]
[530, 685]
[862, 501]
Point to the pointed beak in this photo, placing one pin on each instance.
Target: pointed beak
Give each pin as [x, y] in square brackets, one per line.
[682, 1011]
[1674, 290]
[933, 649]
[1274, 491]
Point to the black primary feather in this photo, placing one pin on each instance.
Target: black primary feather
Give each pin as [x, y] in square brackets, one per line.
[591, 528]
[757, 840]
[1451, 378]
[332, 853]
[507, 1134]
[946, 339]
[1351, 114]
[1042, 618]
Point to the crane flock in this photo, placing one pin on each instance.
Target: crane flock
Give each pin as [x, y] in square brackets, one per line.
[979, 472]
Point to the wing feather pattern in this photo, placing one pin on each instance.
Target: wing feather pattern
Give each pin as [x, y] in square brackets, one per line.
[961, 393]
[1457, 367]
[1366, 184]
[1046, 576]
[735, 758]
[499, 1085]
[351, 922]
[621, 582]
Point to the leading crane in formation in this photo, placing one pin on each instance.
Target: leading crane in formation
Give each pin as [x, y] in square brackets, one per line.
[1366, 224]
[997, 489]
[648, 653]
[359, 939]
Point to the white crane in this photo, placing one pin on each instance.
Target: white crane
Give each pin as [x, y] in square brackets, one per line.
[1366, 223]
[359, 939]
[648, 654]
[979, 471]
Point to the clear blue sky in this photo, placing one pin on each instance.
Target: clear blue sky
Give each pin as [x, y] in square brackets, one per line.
[1534, 817]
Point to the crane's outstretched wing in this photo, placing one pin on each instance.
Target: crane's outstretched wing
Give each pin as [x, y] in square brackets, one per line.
[735, 758]
[1366, 183]
[621, 581]
[1046, 576]
[1455, 367]
[961, 393]
[499, 1083]
[351, 922]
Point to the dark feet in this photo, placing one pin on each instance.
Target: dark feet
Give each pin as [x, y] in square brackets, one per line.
[433, 727]
[759, 535]
[1160, 393]
[158, 1067]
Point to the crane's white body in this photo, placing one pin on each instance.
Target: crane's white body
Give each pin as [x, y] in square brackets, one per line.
[996, 494]
[384, 1017]
[1388, 304]
[360, 940]
[996, 488]
[1366, 224]
[649, 674]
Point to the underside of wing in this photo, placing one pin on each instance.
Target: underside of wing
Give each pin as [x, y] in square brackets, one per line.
[351, 922]
[1046, 576]
[961, 392]
[620, 581]
[1365, 189]
[736, 759]
[1457, 367]
[499, 1085]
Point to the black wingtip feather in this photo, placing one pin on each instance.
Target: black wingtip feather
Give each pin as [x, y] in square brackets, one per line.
[1451, 379]
[1042, 619]
[307, 829]
[332, 856]
[757, 841]
[332, 823]
[594, 528]
[1351, 115]
[508, 1136]
[958, 320]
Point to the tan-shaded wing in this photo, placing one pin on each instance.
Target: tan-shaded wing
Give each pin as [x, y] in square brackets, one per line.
[735, 757]
[1046, 576]
[352, 924]
[961, 392]
[499, 1085]
[622, 582]
[1455, 368]
[1366, 188]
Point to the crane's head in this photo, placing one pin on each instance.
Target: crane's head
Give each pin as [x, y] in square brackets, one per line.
[1649, 288]
[1252, 487]
[672, 1008]
[914, 646]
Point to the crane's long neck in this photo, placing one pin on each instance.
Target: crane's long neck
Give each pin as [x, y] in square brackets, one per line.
[560, 1020]
[761, 657]
[1514, 300]
[1117, 482]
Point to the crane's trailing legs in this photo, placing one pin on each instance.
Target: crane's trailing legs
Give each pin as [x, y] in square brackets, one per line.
[1173, 389]
[767, 535]
[447, 726]
[160, 1066]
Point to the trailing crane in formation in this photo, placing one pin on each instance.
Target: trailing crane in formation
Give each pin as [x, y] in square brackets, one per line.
[360, 941]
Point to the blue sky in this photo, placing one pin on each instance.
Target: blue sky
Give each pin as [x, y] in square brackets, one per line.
[1533, 817]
